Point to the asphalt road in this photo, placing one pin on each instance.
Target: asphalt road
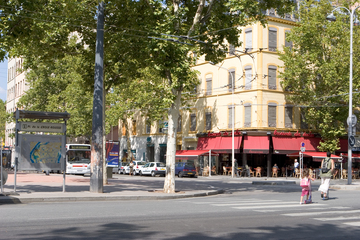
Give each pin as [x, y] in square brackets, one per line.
[267, 212]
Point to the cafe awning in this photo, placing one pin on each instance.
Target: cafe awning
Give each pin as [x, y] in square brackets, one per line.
[317, 156]
[256, 144]
[287, 145]
[193, 154]
[354, 156]
[219, 144]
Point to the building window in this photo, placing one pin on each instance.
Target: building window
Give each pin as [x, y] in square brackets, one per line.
[231, 82]
[247, 113]
[288, 117]
[179, 127]
[272, 115]
[147, 126]
[288, 44]
[208, 120]
[231, 50]
[272, 77]
[161, 126]
[303, 124]
[208, 86]
[134, 127]
[230, 114]
[192, 122]
[248, 77]
[248, 40]
[272, 39]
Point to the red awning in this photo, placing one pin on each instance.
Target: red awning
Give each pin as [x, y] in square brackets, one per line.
[193, 154]
[287, 145]
[219, 144]
[256, 144]
[317, 156]
[354, 156]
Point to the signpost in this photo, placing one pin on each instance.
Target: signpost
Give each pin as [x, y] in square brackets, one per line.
[302, 149]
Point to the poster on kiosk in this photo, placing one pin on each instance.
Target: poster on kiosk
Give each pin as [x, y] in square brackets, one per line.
[112, 153]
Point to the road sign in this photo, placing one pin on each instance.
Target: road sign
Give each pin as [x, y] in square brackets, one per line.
[302, 144]
[352, 141]
[302, 149]
[351, 121]
[41, 127]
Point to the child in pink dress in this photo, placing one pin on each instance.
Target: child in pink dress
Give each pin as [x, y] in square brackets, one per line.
[305, 183]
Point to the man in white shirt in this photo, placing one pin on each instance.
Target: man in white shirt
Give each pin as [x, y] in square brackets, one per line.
[296, 165]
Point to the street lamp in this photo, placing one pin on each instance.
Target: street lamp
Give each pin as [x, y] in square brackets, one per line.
[233, 118]
[331, 17]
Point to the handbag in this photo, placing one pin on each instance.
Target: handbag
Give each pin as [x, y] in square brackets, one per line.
[326, 163]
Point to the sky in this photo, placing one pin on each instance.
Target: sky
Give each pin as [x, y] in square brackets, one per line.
[3, 80]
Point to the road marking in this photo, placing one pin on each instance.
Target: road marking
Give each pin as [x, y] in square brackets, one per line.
[273, 206]
[251, 204]
[356, 224]
[337, 218]
[319, 213]
[265, 211]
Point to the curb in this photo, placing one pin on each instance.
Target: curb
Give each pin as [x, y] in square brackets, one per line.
[15, 200]
[345, 187]
[273, 182]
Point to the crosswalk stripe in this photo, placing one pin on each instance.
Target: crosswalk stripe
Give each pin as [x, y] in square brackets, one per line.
[337, 218]
[319, 213]
[240, 201]
[274, 206]
[250, 204]
[356, 224]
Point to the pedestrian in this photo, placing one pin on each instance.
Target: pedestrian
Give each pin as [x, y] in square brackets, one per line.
[131, 167]
[327, 167]
[296, 165]
[305, 183]
[236, 170]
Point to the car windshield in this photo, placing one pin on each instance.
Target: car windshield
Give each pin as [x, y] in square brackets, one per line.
[189, 165]
[160, 164]
[141, 163]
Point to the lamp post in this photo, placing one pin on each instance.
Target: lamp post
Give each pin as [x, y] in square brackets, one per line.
[332, 17]
[233, 118]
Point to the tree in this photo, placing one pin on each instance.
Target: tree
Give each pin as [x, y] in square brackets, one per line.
[316, 70]
[3, 118]
[154, 33]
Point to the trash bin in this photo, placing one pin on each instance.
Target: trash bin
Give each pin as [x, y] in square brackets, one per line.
[109, 172]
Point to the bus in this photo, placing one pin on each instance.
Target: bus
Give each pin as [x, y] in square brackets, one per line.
[78, 158]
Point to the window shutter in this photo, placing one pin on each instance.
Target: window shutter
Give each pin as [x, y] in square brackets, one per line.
[303, 123]
[247, 116]
[272, 115]
[193, 122]
[231, 50]
[272, 77]
[272, 39]
[231, 79]
[248, 39]
[248, 77]
[288, 117]
[208, 86]
[208, 120]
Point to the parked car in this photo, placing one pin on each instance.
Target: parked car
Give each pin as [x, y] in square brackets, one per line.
[185, 169]
[138, 165]
[124, 168]
[153, 169]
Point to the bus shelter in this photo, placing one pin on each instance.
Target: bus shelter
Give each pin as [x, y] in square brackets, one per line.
[40, 152]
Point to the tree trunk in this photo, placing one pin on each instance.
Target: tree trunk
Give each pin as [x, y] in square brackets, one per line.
[173, 116]
[128, 141]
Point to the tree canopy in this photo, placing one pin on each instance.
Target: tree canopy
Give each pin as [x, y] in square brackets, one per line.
[316, 69]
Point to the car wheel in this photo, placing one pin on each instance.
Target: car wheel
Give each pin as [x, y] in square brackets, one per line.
[180, 175]
[153, 174]
[134, 173]
[140, 173]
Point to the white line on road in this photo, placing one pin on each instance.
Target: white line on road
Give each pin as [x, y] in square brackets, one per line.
[319, 213]
[356, 224]
[273, 206]
[337, 218]
[251, 203]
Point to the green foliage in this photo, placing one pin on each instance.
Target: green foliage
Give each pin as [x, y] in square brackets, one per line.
[3, 118]
[316, 70]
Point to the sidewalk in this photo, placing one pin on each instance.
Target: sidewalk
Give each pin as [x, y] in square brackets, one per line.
[38, 187]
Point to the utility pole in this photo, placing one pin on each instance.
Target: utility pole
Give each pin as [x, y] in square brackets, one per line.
[97, 170]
